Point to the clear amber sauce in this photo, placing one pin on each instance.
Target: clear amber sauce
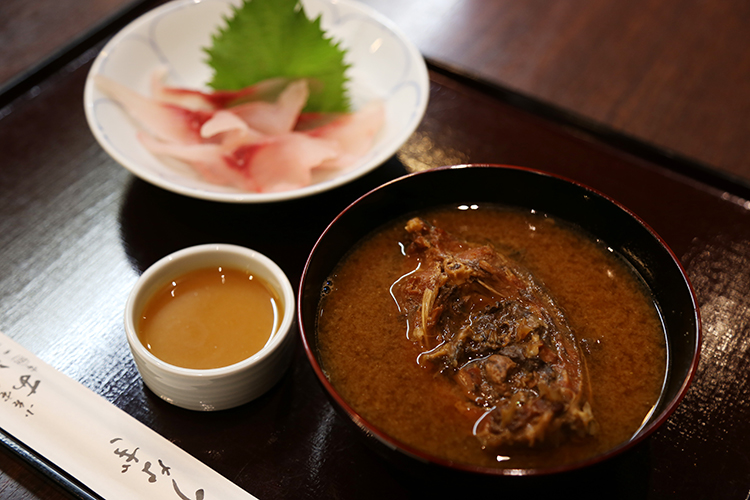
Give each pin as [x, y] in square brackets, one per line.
[209, 318]
[368, 358]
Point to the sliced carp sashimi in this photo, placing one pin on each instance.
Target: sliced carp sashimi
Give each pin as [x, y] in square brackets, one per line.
[284, 162]
[206, 159]
[227, 127]
[276, 163]
[167, 122]
[266, 90]
[276, 117]
[250, 138]
[354, 133]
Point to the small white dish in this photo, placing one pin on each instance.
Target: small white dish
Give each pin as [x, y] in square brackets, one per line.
[215, 388]
[385, 65]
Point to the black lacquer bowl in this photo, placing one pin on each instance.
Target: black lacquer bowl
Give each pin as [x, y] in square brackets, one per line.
[594, 212]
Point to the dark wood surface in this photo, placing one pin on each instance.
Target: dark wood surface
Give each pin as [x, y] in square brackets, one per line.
[76, 230]
[672, 73]
[31, 33]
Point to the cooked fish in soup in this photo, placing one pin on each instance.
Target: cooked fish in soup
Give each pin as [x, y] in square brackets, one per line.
[482, 320]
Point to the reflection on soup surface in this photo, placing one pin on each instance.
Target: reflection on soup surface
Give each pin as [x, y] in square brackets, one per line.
[492, 337]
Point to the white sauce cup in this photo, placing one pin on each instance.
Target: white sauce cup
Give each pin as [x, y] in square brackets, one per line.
[215, 388]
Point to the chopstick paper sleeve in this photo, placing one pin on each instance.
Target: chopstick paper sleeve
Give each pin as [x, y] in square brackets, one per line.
[101, 446]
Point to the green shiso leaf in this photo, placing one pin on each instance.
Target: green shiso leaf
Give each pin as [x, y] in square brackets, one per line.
[274, 38]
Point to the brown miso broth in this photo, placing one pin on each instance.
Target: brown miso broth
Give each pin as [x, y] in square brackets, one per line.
[365, 352]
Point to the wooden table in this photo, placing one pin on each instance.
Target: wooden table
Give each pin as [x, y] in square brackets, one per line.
[644, 100]
[670, 73]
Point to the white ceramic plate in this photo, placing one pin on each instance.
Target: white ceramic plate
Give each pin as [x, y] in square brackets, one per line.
[385, 65]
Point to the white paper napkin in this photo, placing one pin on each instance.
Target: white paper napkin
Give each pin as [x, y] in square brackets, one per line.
[101, 446]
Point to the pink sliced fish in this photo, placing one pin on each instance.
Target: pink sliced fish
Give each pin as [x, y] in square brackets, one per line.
[354, 133]
[229, 128]
[206, 159]
[267, 90]
[276, 117]
[167, 122]
[286, 161]
[256, 138]
[277, 163]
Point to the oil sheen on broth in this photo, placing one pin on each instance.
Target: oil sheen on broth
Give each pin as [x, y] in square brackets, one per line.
[369, 358]
[209, 318]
